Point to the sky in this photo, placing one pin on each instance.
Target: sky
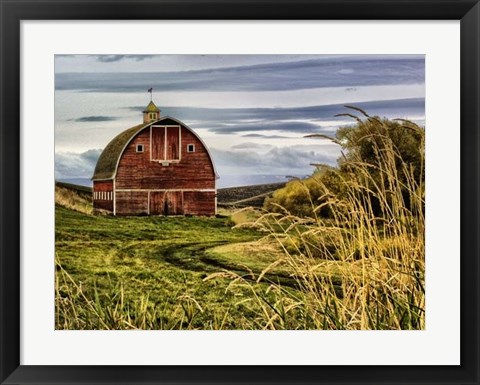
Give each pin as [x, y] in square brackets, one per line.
[252, 111]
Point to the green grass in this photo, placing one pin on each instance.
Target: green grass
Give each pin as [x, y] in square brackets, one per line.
[148, 272]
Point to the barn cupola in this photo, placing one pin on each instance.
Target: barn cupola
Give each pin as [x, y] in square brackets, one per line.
[151, 113]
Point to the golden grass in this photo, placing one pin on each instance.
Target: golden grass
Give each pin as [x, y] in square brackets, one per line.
[72, 200]
[245, 216]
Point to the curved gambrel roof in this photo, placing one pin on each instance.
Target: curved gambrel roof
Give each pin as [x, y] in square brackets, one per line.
[109, 159]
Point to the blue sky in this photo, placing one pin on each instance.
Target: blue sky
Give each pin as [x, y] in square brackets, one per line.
[253, 111]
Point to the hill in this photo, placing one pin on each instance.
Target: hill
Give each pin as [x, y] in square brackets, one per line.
[244, 196]
[76, 187]
[74, 197]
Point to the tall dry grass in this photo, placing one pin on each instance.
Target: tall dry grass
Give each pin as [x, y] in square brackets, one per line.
[71, 199]
[359, 269]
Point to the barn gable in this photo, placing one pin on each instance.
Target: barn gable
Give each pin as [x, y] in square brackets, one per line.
[107, 163]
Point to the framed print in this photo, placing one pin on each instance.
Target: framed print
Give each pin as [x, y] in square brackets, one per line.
[228, 192]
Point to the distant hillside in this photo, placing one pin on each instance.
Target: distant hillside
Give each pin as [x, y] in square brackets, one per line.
[242, 196]
[75, 187]
[74, 197]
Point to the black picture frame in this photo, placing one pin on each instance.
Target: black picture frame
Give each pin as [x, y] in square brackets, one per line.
[13, 12]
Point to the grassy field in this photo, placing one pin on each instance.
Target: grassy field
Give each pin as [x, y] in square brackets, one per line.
[149, 272]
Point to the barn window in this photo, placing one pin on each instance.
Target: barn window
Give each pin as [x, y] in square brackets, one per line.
[191, 148]
[140, 148]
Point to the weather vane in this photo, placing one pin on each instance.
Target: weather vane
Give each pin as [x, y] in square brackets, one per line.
[151, 93]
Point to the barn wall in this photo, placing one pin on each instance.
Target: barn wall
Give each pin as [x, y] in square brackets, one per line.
[193, 171]
[199, 202]
[102, 200]
[131, 203]
[186, 202]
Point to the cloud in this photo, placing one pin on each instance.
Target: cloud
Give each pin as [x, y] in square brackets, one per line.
[298, 127]
[305, 74]
[278, 160]
[250, 145]
[116, 58]
[95, 119]
[76, 165]
[264, 136]
[346, 71]
[300, 120]
[216, 116]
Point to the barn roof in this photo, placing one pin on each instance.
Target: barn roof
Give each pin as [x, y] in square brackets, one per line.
[151, 108]
[107, 162]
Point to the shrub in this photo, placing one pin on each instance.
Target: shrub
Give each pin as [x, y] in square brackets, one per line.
[363, 142]
[364, 267]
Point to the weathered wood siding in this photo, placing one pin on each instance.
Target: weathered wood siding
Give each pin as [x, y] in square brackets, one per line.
[137, 171]
[131, 203]
[199, 202]
[158, 143]
[103, 195]
[173, 150]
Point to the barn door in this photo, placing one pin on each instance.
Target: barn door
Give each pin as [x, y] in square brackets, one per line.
[166, 203]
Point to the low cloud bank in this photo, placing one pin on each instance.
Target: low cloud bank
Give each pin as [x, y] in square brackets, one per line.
[76, 165]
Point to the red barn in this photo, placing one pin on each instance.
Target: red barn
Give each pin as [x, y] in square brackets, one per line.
[160, 167]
